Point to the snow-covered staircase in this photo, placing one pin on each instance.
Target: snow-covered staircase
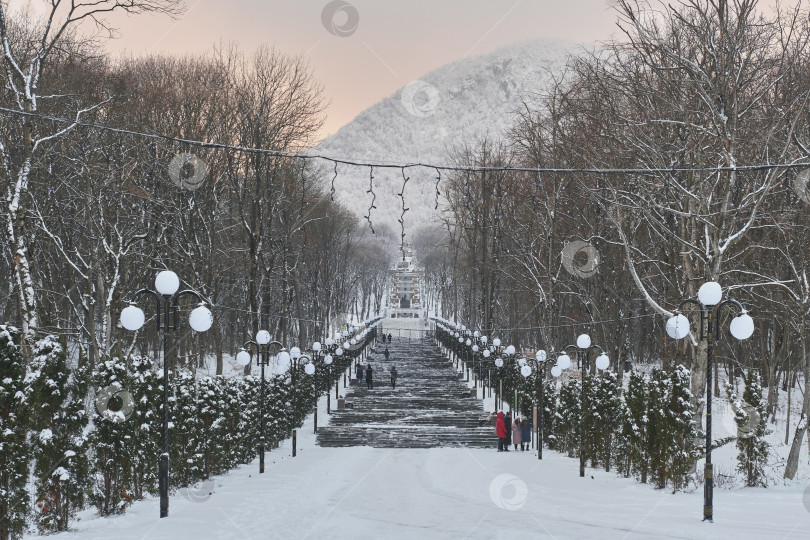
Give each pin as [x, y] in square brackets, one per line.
[430, 406]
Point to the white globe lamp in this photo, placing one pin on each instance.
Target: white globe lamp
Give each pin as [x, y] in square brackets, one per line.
[710, 293]
[243, 358]
[602, 361]
[201, 319]
[742, 326]
[677, 326]
[132, 318]
[262, 337]
[167, 282]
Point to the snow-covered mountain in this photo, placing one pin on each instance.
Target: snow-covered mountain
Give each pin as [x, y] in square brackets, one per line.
[423, 121]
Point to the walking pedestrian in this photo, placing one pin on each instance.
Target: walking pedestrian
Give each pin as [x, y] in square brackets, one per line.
[500, 431]
[517, 436]
[389, 337]
[369, 379]
[526, 433]
[359, 374]
[386, 353]
[394, 377]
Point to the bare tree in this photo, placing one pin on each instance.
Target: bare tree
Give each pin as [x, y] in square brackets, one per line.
[30, 51]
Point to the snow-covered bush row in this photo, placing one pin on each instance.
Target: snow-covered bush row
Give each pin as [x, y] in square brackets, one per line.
[67, 442]
[646, 430]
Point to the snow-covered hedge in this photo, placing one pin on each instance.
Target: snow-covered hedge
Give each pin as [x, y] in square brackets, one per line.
[93, 436]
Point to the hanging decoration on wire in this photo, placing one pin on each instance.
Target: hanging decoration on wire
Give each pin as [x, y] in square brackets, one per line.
[332, 191]
[467, 197]
[404, 209]
[438, 193]
[303, 193]
[373, 197]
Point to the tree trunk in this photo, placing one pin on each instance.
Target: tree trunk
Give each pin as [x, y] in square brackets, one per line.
[792, 464]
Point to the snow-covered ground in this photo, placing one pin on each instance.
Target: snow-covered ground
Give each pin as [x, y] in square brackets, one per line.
[364, 492]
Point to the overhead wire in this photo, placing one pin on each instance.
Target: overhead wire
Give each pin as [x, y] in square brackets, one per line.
[407, 165]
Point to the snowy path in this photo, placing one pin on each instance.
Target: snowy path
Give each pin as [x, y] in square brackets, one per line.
[391, 493]
[363, 492]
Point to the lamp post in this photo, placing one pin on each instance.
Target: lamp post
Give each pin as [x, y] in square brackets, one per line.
[495, 349]
[318, 353]
[709, 304]
[296, 360]
[200, 319]
[331, 349]
[583, 350]
[539, 363]
[262, 345]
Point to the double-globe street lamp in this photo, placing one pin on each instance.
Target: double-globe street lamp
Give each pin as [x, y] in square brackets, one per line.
[539, 364]
[295, 360]
[318, 354]
[506, 358]
[582, 350]
[167, 301]
[710, 303]
[262, 345]
[329, 352]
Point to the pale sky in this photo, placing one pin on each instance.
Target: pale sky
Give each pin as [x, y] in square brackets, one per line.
[368, 48]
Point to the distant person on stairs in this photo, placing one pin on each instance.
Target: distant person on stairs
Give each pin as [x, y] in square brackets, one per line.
[389, 338]
[517, 435]
[369, 379]
[393, 375]
[500, 431]
[386, 353]
[359, 374]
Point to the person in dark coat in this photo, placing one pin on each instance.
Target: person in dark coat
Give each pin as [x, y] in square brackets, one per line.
[359, 374]
[386, 353]
[389, 338]
[526, 433]
[507, 421]
[394, 377]
[369, 379]
[500, 431]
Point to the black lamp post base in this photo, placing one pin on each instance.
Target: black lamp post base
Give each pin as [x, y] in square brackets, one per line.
[163, 482]
[708, 488]
[261, 459]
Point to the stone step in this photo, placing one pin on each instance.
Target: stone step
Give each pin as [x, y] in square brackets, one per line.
[430, 407]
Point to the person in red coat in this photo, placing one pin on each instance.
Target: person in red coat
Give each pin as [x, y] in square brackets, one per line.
[500, 431]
